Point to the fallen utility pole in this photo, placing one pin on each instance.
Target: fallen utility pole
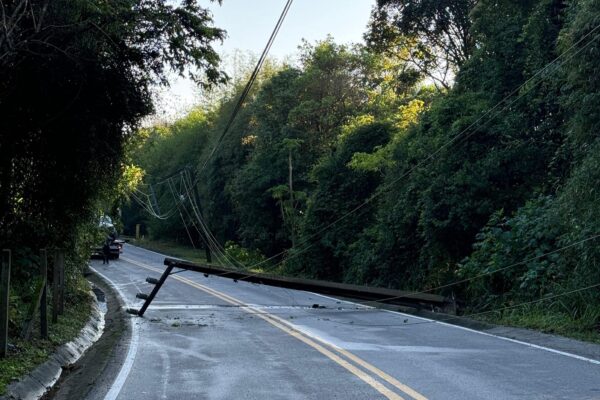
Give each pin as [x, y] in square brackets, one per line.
[382, 295]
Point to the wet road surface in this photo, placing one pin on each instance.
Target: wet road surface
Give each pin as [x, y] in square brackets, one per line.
[212, 338]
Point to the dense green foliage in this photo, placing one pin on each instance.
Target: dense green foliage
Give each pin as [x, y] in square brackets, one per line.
[75, 81]
[351, 166]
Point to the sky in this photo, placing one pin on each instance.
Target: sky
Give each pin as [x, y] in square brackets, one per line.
[249, 24]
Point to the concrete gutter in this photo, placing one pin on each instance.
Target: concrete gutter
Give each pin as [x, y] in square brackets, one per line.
[38, 382]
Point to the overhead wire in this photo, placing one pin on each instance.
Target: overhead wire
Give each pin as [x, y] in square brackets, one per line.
[249, 84]
[470, 315]
[244, 93]
[154, 203]
[219, 254]
[183, 220]
[491, 272]
[177, 198]
[233, 262]
[196, 209]
[146, 205]
[209, 236]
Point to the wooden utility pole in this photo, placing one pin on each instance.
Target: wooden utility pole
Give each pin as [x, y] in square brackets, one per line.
[57, 285]
[44, 296]
[39, 302]
[292, 205]
[292, 145]
[4, 299]
[61, 281]
[194, 190]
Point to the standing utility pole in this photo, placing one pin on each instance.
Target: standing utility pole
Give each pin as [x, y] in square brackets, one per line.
[292, 206]
[197, 201]
[4, 299]
[44, 295]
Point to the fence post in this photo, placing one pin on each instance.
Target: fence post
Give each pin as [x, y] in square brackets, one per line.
[61, 281]
[55, 288]
[4, 299]
[43, 297]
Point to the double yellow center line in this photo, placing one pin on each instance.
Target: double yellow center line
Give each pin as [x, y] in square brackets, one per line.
[338, 355]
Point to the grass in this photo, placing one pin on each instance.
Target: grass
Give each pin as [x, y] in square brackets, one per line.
[173, 249]
[26, 355]
[585, 328]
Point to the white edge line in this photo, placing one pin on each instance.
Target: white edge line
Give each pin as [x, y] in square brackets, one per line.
[535, 346]
[119, 381]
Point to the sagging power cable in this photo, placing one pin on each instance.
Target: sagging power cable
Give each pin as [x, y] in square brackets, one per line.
[180, 197]
[248, 86]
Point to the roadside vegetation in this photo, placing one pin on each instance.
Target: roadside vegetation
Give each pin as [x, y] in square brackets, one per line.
[459, 143]
[76, 78]
[24, 355]
[171, 248]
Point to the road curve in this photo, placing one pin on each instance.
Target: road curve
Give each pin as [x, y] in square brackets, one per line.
[212, 338]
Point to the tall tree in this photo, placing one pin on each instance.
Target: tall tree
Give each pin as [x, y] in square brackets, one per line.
[433, 35]
[75, 80]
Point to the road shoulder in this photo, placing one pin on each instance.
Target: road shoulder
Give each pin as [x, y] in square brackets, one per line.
[37, 383]
[93, 374]
[554, 343]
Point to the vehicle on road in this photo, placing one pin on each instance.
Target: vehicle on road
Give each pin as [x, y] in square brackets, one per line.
[116, 248]
[116, 245]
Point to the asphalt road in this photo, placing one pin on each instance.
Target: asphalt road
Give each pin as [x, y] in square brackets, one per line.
[212, 338]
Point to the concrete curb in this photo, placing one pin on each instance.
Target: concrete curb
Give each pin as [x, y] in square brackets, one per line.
[38, 382]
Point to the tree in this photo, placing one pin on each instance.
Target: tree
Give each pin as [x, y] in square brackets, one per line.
[435, 36]
[75, 81]
[324, 253]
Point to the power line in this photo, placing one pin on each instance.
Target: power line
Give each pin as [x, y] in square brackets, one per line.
[246, 90]
[222, 257]
[183, 219]
[244, 94]
[179, 202]
[488, 273]
[475, 314]
[147, 206]
[209, 235]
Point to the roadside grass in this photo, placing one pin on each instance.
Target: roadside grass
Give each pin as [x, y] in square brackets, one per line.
[23, 356]
[174, 249]
[585, 328]
[183, 251]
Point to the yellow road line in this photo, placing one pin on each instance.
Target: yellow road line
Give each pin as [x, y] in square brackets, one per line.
[290, 330]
